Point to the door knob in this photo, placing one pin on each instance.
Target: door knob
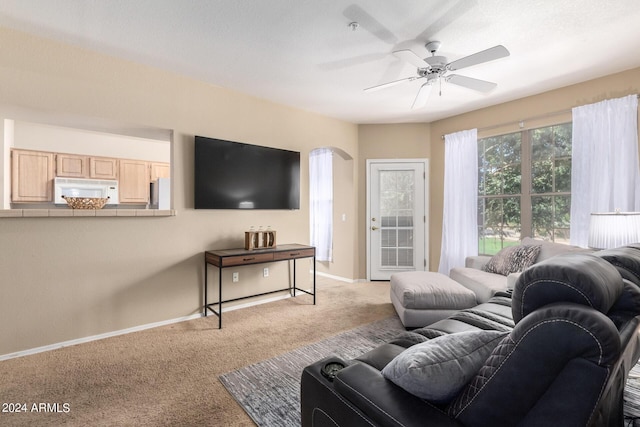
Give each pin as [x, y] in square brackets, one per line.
[374, 228]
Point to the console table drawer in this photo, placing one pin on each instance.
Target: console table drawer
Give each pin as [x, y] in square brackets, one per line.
[246, 259]
[301, 253]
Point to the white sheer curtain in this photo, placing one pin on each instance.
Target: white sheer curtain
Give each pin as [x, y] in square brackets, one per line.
[321, 202]
[604, 166]
[460, 211]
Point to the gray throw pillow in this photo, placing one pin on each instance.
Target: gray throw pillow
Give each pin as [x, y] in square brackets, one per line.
[512, 259]
[438, 369]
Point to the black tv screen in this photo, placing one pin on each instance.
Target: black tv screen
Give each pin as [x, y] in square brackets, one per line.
[234, 175]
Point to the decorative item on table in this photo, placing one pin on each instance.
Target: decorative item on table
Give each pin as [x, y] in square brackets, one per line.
[86, 202]
[260, 239]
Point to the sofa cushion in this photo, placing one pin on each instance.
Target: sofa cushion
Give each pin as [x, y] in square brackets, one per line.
[551, 249]
[430, 290]
[438, 369]
[483, 284]
[512, 259]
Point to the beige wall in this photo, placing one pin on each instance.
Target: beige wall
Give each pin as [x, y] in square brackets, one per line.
[36, 136]
[68, 278]
[386, 141]
[537, 107]
[345, 219]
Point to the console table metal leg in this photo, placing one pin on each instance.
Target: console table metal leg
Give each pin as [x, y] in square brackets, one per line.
[206, 284]
[219, 298]
[314, 280]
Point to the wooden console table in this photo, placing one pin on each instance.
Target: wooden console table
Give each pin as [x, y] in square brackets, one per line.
[238, 257]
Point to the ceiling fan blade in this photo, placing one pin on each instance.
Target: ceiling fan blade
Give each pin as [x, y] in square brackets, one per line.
[422, 96]
[471, 83]
[389, 84]
[487, 55]
[413, 59]
[357, 14]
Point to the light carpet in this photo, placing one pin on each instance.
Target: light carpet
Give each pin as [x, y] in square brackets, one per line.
[269, 391]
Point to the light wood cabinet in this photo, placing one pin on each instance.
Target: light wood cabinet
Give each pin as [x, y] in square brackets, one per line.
[71, 166]
[160, 170]
[32, 175]
[133, 182]
[77, 166]
[103, 168]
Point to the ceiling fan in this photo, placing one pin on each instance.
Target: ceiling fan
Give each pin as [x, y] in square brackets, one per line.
[435, 68]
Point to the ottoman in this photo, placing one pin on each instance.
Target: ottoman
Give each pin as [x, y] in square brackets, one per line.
[424, 297]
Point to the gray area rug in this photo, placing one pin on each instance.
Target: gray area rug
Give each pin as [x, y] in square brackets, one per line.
[269, 391]
[632, 397]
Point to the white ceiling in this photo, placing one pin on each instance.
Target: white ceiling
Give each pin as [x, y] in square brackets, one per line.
[302, 53]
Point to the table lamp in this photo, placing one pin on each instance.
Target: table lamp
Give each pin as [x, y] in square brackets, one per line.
[614, 229]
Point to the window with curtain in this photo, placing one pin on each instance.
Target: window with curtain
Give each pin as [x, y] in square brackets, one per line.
[605, 154]
[524, 187]
[459, 207]
[321, 202]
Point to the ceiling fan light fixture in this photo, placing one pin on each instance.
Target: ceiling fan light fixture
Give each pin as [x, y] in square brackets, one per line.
[438, 63]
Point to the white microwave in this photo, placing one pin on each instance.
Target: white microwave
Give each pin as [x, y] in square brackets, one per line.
[75, 187]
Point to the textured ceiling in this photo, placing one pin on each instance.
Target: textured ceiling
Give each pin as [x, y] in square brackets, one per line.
[302, 53]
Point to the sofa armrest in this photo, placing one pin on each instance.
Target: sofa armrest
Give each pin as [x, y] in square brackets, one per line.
[386, 403]
[476, 261]
[361, 397]
[512, 278]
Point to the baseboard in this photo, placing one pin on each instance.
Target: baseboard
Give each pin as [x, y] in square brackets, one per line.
[338, 278]
[83, 340]
[96, 337]
[258, 302]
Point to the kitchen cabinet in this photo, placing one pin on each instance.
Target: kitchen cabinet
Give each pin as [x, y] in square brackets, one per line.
[32, 175]
[160, 170]
[103, 168]
[133, 181]
[71, 166]
[78, 166]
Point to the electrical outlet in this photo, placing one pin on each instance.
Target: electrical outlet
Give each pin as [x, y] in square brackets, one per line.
[235, 277]
[265, 272]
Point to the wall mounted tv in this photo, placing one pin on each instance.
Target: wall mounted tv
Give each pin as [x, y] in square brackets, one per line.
[234, 175]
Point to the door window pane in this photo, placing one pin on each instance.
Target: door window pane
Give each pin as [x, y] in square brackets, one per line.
[388, 238]
[388, 257]
[405, 257]
[397, 212]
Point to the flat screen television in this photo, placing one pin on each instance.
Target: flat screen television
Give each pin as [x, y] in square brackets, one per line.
[234, 175]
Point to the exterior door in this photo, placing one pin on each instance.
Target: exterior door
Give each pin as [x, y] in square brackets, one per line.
[396, 217]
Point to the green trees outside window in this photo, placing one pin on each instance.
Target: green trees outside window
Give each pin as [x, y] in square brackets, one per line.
[524, 187]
